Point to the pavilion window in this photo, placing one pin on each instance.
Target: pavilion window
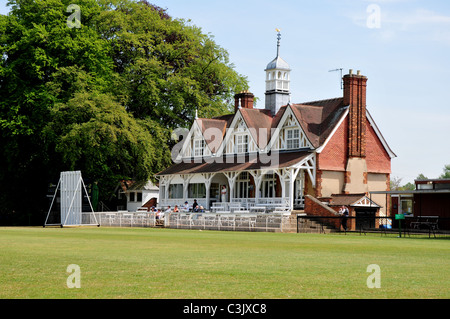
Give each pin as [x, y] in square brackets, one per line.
[292, 139]
[176, 191]
[241, 186]
[197, 190]
[268, 186]
[199, 146]
[241, 142]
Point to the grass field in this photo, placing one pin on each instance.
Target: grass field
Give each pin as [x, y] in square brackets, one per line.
[179, 264]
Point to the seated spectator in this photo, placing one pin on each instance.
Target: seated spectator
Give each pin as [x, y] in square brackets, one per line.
[168, 210]
[159, 214]
[195, 206]
[175, 209]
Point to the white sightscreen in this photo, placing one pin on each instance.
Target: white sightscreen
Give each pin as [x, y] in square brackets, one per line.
[71, 197]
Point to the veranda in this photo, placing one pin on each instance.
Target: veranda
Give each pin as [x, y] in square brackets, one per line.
[247, 185]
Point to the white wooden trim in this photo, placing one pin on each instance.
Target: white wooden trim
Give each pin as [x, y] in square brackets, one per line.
[379, 135]
[276, 133]
[320, 148]
[231, 131]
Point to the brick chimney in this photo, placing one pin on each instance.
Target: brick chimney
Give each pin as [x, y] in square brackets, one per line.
[355, 97]
[243, 99]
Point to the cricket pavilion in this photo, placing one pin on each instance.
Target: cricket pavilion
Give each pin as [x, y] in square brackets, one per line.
[278, 155]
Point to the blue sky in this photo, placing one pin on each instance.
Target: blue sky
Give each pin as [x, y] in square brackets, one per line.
[402, 46]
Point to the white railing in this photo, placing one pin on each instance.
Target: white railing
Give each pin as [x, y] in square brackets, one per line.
[256, 219]
[245, 203]
[127, 219]
[229, 221]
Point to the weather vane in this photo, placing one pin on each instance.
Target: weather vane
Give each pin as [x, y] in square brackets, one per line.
[278, 42]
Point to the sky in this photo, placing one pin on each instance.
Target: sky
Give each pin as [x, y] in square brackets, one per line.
[402, 46]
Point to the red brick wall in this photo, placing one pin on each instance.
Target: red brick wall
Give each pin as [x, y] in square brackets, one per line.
[377, 159]
[334, 156]
[313, 207]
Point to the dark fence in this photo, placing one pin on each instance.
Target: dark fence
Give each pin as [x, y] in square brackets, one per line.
[430, 226]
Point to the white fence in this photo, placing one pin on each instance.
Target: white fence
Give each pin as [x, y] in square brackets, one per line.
[268, 222]
[127, 219]
[229, 221]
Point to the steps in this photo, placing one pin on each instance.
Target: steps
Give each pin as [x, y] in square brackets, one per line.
[311, 225]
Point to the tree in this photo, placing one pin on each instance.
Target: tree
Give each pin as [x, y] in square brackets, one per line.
[446, 173]
[94, 133]
[408, 187]
[421, 177]
[395, 183]
[102, 98]
[35, 44]
[169, 68]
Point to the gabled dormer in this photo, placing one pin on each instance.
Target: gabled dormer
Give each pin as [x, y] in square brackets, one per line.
[289, 134]
[195, 145]
[238, 139]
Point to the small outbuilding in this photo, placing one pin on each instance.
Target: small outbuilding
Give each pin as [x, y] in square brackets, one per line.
[428, 204]
[138, 194]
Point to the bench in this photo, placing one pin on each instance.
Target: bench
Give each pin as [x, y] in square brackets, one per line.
[430, 222]
[427, 222]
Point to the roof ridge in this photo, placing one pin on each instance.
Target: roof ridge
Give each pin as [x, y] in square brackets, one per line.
[323, 100]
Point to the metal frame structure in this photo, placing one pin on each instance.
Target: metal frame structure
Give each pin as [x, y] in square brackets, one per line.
[71, 186]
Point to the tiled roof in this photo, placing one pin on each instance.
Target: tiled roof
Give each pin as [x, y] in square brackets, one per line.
[348, 199]
[318, 118]
[218, 125]
[345, 199]
[255, 119]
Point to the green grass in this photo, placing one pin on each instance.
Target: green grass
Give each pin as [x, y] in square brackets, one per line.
[173, 264]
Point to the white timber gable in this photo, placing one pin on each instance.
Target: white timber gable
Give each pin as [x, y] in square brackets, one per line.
[289, 135]
[195, 145]
[238, 139]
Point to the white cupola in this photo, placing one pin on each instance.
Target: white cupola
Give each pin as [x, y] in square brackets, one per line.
[277, 82]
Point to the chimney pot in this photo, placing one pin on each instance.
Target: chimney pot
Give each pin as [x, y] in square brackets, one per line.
[244, 99]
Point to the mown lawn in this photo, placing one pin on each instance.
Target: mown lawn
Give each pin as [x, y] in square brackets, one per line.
[179, 264]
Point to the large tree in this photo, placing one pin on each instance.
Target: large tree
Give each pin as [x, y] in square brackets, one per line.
[446, 173]
[102, 96]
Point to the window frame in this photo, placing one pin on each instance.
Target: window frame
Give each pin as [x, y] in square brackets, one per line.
[199, 149]
[241, 143]
[293, 140]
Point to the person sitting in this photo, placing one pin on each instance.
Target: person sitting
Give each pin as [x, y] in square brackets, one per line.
[195, 206]
[186, 206]
[175, 209]
[168, 210]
